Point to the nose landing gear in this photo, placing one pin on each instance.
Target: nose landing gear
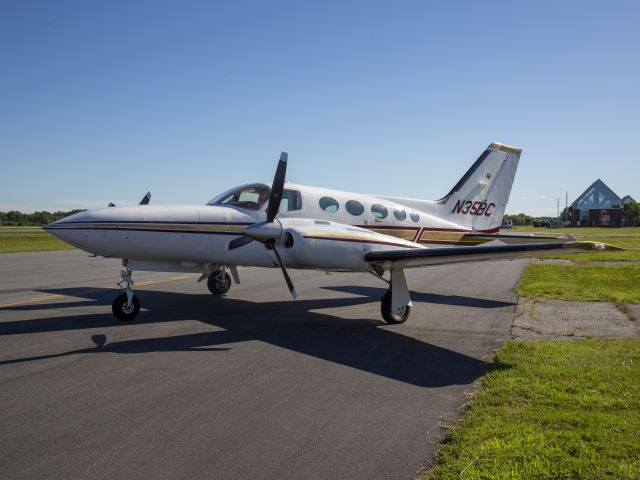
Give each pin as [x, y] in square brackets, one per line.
[126, 306]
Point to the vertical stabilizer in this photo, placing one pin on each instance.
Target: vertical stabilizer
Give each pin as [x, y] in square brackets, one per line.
[479, 199]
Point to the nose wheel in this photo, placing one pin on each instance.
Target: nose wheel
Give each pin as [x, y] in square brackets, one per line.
[126, 306]
[125, 310]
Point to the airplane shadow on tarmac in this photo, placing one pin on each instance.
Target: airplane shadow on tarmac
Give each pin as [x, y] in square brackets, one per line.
[367, 345]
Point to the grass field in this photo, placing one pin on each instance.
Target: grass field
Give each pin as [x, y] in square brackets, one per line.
[28, 239]
[551, 410]
[580, 231]
[631, 243]
[590, 282]
[628, 238]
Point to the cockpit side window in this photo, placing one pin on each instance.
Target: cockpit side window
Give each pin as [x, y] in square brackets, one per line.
[251, 197]
[291, 200]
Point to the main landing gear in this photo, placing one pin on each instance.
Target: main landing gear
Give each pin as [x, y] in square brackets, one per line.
[219, 282]
[395, 304]
[391, 316]
[218, 278]
[126, 306]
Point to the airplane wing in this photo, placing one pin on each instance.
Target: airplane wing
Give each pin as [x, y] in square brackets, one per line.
[420, 257]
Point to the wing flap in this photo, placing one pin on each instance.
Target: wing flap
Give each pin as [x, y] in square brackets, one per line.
[512, 238]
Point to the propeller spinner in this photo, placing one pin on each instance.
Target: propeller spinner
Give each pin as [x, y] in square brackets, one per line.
[269, 231]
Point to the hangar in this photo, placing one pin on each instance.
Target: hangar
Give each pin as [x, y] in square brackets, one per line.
[598, 206]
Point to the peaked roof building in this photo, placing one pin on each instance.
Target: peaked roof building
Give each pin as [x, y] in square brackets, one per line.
[598, 195]
[598, 205]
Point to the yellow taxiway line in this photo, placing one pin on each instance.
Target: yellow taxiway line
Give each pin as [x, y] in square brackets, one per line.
[56, 296]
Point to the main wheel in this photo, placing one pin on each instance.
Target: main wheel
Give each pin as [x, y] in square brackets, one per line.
[123, 310]
[389, 316]
[218, 284]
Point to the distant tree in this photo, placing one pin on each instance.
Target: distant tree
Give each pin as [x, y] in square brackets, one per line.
[15, 218]
[519, 219]
[632, 212]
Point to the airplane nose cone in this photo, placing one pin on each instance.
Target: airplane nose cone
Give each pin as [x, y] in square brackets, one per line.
[73, 229]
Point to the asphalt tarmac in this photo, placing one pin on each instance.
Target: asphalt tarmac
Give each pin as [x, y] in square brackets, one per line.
[249, 385]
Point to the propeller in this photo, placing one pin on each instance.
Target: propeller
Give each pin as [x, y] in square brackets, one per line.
[269, 231]
[285, 273]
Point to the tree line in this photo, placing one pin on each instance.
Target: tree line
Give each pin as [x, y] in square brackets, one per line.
[632, 210]
[15, 218]
[519, 219]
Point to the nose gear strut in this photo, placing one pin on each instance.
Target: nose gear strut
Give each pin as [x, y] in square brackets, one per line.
[126, 306]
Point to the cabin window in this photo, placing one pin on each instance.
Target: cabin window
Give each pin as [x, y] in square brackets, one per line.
[291, 200]
[354, 207]
[251, 197]
[329, 205]
[414, 216]
[400, 214]
[379, 211]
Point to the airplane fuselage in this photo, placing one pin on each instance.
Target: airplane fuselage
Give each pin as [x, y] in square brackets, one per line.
[190, 237]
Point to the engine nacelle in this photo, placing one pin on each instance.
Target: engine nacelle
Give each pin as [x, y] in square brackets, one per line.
[308, 243]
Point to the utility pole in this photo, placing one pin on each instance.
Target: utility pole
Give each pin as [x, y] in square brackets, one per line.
[566, 206]
[558, 199]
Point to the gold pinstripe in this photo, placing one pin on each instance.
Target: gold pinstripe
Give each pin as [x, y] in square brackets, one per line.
[398, 233]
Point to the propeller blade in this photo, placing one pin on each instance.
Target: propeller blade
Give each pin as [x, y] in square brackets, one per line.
[267, 231]
[276, 188]
[145, 199]
[239, 242]
[287, 279]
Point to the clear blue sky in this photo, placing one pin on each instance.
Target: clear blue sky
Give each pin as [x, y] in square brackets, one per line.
[103, 101]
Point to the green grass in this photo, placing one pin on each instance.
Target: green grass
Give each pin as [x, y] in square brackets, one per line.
[29, 239]
[580, 231]
[632, 244]
[618, 283]
[21, 230]
[625, 242]
[557, 410]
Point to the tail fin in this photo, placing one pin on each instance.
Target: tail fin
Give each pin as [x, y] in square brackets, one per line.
[479, 199]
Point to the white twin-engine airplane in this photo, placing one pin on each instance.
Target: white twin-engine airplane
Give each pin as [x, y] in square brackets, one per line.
[312, 228]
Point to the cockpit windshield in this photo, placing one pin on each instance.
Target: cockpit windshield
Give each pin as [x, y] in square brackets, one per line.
[250, 197]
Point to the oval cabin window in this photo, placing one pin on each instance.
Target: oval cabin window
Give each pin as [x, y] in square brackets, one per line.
[379, 211]
[354, 207]
[400, 214]
[415, 217]
[329, 205]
